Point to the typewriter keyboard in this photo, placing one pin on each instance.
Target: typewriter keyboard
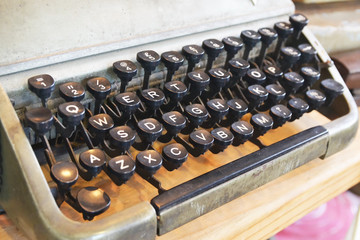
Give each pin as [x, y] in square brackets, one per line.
[217, 103]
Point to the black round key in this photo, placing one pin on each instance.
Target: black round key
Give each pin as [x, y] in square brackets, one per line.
[273, 73]
[250, 38]
[307, 52]
[276, 93]
[92, 201]
[172, 60]
[121, 138]
[196, 113]
[219, 77]
[298, 21]
[268, 35]
[123, 167]
[152, 97]
[213, 47]
[280, 114]
[238, 66]
[198, 80]
[283, 29]
[298, 107]
[127, 102]
[99, 87]
[289, 56]
[42, 85]
[125, 70]
[175, 90]
[72, 91]
[193, 54]
[232, 44]
[71, 113]
[261, 123]
[174, 122]
[149, 129]
[310, 75]
[217, 108]
[254, 76]
[222, 137]
[93, 160]
[150, 161]
[100, 123]
[148, 59]
[237, 108]
[332, 89]
[64, 174]
[39, 119]
[256, 94]
[315, 99]
[242, 131]
[174, 153]
[201, 140]
[292, 81]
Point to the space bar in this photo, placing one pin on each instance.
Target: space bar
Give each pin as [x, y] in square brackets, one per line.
[189, 190]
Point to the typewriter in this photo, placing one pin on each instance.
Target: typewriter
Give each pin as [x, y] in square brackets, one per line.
[140, 117]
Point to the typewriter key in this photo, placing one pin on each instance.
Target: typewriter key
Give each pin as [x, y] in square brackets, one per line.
[149, 129]
[172, 61]
[149, 60]
[72, 91]
[121, 138]
[232, 45]
[122, 167]
[310, 75]
[125, 70]
[127, 102]
[93, 160]
[64, 174]
[261, 123]
[280, 114]
[71, 113]
[307, 52]
[42, 85]
[100, 124]
[292, 81]
[276, 93]
[99, 87]
[242, 132]
[174, 155]
[315, 99]
[201, 140]
[298, 107]
[268, 35]
[332, 89]
[193, 54]
[153, 98]
[237, 108]
[255, 76]
[250, 39]
[256, 95]
[222, 137]
[273, 73]
[298, 21]
[39, 119]
[196, 114]
[175, 90]
[92, 201]
[174, 122]
[148, 162]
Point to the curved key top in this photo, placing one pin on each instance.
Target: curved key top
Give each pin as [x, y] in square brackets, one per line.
[283, 29]
[222, 137]
[238, 66]
[99, 87]
[250, 39]
[273, 73]
[122, 167]
[42, 85]
[276, 93]
[100, 124]
[72, 113]
[261, 123]
[198, 80]
[127, 102]
[93, 160]
[201, 140]
[39, 119]
[298, 107]
[217, 108]
[232, 45]
[237, 108]
[332, 89]
[307, 52]
[153, 98]
[149, 129]
[292, 81]
[196, 113]
[193, 54]
[213, 48]
[280, 114]
[149, 60]
[72, 91]
[310, 75]
[255, 76]
[242, 131]
[121, 138]
[174, 155]
[148, 162]
[64, 174]
[256, 94]
[172, 61]
[298, 21]
[174, 122]
[175, 90]
[125, 70]
[92, 202]
[315, 99]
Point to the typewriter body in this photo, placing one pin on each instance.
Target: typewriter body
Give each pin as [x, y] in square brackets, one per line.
[74, 49]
